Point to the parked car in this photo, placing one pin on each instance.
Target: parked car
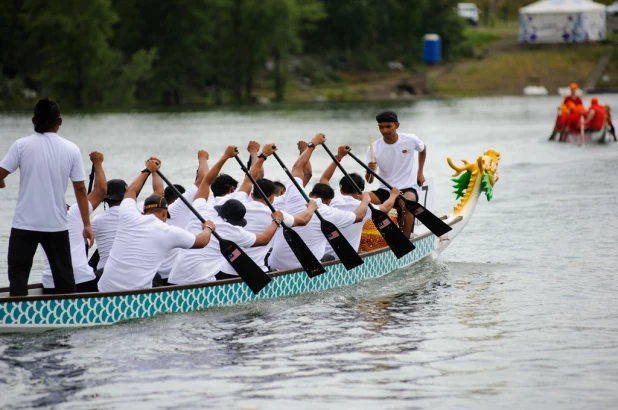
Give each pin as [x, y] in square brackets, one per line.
[612, 9]
[470, 12]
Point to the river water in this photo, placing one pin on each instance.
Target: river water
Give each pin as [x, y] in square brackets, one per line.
[519, 312]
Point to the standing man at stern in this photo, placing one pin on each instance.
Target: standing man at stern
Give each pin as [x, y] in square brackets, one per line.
[393, 160]
[46, 162]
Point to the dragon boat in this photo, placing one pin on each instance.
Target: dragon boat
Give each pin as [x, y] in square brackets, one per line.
[37, 312]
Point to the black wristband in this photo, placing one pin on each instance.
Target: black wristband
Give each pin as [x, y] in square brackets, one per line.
[264, 157]
[146, 170]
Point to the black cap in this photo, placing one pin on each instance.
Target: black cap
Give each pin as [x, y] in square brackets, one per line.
[233, 212]
[155, 202]
[387, 116]
[116, 189]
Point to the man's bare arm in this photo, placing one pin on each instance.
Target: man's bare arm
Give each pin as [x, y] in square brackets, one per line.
[204, 189]
[298, 169]
[99, 190]
[81, 196]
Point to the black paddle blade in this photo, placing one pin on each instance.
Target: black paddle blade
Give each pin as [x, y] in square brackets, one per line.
[307, 259]
[94, 261]
[248, 270]
[436, 225]
[396, 240]
[347, 254]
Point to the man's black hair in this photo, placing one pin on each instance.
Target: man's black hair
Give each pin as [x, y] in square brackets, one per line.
[387, 116]
[170, 195]
[347, 187]
[279, 185]
[267, 186]
[222, 184]
[46, 115]
[323, 191]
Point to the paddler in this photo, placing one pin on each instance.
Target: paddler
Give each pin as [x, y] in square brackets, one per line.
[573, 97]
[143, 241]
[282, 256]
[46, 162]
[394, 161]
[85, 278]
[349, 199]
[561, 121]
[595, 116]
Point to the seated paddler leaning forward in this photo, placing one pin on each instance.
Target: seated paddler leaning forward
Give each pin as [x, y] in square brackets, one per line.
[143, 241]
[392, 157]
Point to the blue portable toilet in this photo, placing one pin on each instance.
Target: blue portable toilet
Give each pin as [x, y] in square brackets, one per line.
[432, 49]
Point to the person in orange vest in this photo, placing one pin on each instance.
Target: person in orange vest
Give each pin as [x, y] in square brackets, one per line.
[573, 97]
[595, 116]
[572, 120]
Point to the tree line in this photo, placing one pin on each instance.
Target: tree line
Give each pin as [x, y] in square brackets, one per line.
[125, 53]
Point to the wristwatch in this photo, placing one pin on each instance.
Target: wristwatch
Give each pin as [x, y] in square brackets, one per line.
[264, 157]
[278, 221]
[310, 145]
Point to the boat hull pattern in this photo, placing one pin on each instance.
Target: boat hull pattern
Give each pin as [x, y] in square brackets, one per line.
[43, 314]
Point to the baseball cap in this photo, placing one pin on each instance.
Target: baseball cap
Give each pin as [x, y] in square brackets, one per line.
[155, 202]
[233, 212]
[116, 189]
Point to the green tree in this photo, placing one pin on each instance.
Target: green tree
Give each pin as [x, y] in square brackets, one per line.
[70, 39]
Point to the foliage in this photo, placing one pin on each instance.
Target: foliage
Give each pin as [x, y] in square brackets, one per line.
[461, 183]
[102, 53]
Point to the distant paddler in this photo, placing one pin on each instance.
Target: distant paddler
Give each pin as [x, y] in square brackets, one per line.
[573, 97]
[394, 161]
[595, 116]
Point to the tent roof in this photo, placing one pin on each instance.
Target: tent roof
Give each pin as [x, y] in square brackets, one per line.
[561, 6]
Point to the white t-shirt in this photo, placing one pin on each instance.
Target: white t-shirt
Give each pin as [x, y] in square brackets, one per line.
[180, 214]
[104, 227]
[81, 270]
[282, 256]
[141, 244]
[396, 163]
[353, 232]
[258, 219]
[45, 162]
[201, 265]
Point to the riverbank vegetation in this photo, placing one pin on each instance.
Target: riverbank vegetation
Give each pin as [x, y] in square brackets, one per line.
[126, 53]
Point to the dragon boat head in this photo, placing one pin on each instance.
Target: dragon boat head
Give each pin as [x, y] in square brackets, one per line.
[473, 178]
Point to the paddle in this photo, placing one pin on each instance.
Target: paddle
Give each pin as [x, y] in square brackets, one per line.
[396, 240]
[307, 259]
[432, 222]
[248, 270]
[89, 191]
[346, 253]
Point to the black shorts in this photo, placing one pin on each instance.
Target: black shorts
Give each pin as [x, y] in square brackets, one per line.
[384, 194]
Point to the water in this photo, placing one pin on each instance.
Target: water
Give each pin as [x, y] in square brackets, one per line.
[519, 312]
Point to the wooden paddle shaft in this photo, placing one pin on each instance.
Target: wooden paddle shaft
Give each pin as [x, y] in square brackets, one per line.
[371, 155]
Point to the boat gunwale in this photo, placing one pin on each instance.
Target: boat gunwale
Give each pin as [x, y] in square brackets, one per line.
[86, 295]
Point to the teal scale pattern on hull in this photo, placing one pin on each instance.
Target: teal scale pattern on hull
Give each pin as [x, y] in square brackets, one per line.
[58, 313]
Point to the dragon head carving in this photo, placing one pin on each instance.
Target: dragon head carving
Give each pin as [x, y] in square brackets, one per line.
[482, 174]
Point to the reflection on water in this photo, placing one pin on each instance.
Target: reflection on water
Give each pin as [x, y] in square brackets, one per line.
[518, 312]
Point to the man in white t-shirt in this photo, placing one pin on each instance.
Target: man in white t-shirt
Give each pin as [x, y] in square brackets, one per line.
[179, 214]
[46, 162]
[349, 200]
[282, 256]
[208, 264]
[258, 214]
[143, 241]
[85, 278]
[104, 225]
[394, 161]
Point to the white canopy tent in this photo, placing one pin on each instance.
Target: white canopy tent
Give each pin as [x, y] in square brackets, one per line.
[562, 21]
